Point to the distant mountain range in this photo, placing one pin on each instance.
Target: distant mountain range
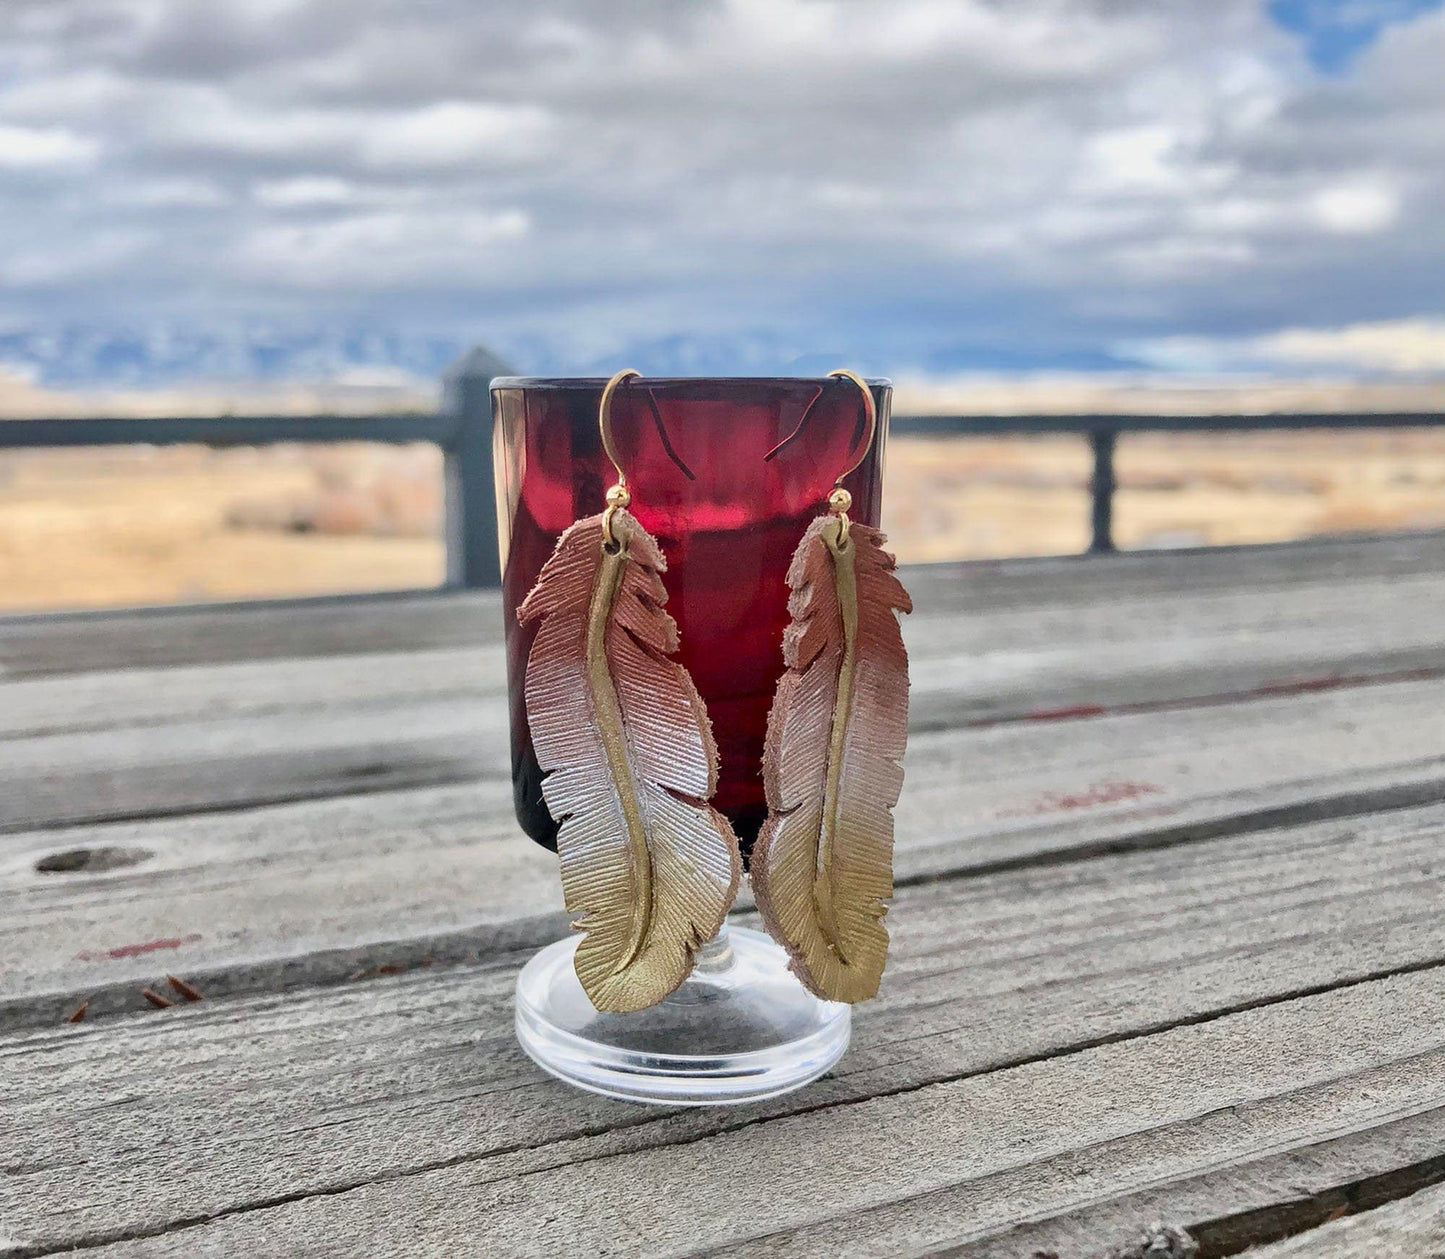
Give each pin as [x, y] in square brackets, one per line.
[86, 357]
[165, 356]
[91, 357]
[85, 370]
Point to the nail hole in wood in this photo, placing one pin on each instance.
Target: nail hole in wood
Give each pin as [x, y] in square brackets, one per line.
[91, 860]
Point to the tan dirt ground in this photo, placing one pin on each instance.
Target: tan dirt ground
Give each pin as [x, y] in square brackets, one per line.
[130, 526]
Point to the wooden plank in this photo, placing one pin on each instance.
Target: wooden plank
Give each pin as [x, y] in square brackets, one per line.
[979, 656]
[1057, 601]
[327, 887]
[1383, 725]
[353, 872]
[1000, 665]
[983, 649]
[1056, 1036]
[1023, 791]
[1164, 575]
[221, 762]
[1226, 1210]
[32, 646]
[192, 723]
[1209, 1164]
[902, 1170]
[1149, 763]
[125, 699]
[983, 665]
[230, 736]
[1413, 1228]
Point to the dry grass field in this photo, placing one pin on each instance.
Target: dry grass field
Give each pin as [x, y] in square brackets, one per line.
[131, 526]
[952, 499]
[135, 526]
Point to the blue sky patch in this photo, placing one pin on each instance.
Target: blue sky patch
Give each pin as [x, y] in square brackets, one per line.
[1337, 31]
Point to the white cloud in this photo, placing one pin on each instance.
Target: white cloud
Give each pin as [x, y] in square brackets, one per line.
[1136, 158]
[922, 180]
[173, 192]
[39, 266]
[1396, 345]
[360, 251]
[454, 133]
[304, 190]
[1355, 209]
[1407, 347]
[188, 122]
[378, 377]
[27, 148]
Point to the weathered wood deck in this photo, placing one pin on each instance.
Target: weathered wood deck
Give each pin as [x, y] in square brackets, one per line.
[1169, 938]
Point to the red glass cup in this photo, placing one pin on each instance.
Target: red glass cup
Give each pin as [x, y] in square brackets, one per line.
[726, 473]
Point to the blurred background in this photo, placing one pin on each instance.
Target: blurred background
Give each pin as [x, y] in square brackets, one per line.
[231, 207]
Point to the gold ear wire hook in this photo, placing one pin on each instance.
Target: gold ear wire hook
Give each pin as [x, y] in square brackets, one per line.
[619, 495]
[839, 501]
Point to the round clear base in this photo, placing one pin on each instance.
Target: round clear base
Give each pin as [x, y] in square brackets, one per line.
[740, 1028]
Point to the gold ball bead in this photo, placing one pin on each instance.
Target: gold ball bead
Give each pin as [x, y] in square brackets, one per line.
[619, 496]
[839, 500]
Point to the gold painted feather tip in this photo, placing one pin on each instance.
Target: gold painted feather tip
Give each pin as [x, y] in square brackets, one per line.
[649, 867]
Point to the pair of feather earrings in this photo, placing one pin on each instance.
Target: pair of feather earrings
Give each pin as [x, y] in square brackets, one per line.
[625, 741]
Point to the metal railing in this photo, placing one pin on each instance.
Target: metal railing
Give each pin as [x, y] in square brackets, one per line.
[1102, 432]
[463, 430]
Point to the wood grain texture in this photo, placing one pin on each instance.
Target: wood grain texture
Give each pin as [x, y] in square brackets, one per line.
[1084, 586]
[32, 646]
[938, 1165]
[978, 657]
[243, 886]
[1030, 1032]
[1413, 1228]
[312, 890]
[162, 736]
[398, 704]
[1168, 941]
[1066, 580]
[1271, 612]
[152, 696]
[1226, 1210]
[223, 762]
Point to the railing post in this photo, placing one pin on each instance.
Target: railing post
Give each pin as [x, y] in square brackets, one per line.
[1102, 489]
[471, 504]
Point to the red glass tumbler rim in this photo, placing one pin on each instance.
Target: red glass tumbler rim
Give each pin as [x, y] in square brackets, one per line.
[597, 382]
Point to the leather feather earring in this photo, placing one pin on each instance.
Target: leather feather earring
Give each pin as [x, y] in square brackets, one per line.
[822, 868]
[628, 752]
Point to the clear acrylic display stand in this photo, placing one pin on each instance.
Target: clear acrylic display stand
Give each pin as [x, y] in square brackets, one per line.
[740, 1028]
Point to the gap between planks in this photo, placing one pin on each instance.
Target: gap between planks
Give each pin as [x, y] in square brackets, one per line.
[51, 644]
[1341, 1090]
[323, 967]
[1225, 1210]
[1411, 1228]
[237, 761]
[958, 931]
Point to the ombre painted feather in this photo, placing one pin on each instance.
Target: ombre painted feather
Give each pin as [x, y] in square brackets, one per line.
[621, 733]
[822, 868]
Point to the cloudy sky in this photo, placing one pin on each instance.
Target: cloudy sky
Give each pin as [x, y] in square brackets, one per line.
[911, 186]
